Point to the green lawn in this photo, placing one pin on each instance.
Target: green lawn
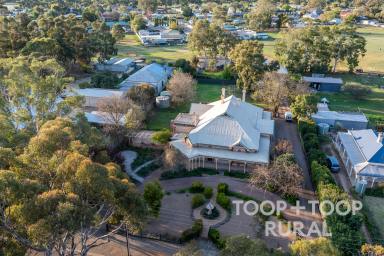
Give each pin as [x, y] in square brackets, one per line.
[372, 106]
[206, 93]
[131, 46]
[374, 58]
[375, 206]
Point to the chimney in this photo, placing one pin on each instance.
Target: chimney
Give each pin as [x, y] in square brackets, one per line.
[380, 137]
[244, 92]
[222, 95]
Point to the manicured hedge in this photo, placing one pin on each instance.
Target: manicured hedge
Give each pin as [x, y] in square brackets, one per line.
[320, 174]
[236, 174]
[346, 234]
[197, 200]
[208, 192]
[193, 232]
[167, 175]
[215, 236]
[222, 188]
[224, 201]
[197, 187]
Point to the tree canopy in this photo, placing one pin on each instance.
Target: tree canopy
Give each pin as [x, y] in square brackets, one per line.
[55, 193]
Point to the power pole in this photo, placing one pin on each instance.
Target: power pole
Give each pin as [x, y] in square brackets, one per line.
[127, 238]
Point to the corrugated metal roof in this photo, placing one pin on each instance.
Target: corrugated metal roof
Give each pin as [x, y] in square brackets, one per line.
[261, 156]
[342, 116]
[97, 93]
[328, 80]
[232, 122]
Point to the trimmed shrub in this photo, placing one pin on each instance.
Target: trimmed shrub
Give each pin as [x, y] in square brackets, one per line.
[208, 192]
[167, 175]
[223, 201]
[317, 155]
[215, 236]
[197, 187]
[239, 175]
[321, 174]
[197, 200]
[222, 188]
[193, 232]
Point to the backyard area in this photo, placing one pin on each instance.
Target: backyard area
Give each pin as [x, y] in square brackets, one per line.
[130, 46]
[371, 62]
[206, 93]
[372, 105]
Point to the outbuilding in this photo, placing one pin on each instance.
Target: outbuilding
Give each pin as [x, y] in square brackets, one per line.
[94, 96]
[324, 84]
[120, 65]
[343, 120]
[154, 74]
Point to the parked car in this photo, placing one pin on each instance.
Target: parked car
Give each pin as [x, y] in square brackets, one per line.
[288, 116]
[333, 164]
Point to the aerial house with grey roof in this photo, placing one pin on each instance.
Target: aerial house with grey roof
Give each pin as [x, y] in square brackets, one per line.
[362, 152]
[228, 134]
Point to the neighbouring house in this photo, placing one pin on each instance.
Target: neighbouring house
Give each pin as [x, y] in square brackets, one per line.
[93, 96]
[208, 63]
[161, 37]
[340, 120]
[324, 84]
[120, 65]
[154, 74]
[228, 134]
[362, 152]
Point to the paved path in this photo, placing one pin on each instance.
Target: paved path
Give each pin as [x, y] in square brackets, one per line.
[130, 156]
[144, 165]
[137, 247]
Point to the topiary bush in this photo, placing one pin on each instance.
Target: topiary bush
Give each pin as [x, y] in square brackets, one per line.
[197, 187]
[197, 200]
[222, 188]
[208, 192]
[224, 201]
[215, 236]
[193, 232]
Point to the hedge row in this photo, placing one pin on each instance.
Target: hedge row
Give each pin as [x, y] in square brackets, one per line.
[215, 236]
[346, 234]
[309, 134]
[222, 199]
[167, 175]
[193, 232]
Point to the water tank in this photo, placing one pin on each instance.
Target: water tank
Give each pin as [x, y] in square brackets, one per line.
[163, 101]
[323, 128]
[166, 93]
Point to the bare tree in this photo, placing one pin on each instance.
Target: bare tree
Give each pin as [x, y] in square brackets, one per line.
[183, 88]
[277, 89]
[120, 115]
[282, 146]
[283, 176]
[173, 159]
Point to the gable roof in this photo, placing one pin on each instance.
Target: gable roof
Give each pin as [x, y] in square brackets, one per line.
[231, 122]
[327, 80]
[362, 146]
[153, 74]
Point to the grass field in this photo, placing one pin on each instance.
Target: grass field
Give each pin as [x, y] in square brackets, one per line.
[372, 106]
[375, 206]
[205, 93]
[131, 46]
[372, 61]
